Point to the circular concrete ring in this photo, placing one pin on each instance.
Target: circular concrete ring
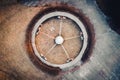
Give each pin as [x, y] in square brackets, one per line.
[72, 17]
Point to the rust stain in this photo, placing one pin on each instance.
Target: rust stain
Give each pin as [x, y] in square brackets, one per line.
[58, 6]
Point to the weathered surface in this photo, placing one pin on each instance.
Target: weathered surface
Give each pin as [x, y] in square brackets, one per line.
[13, 56]
[15, 63]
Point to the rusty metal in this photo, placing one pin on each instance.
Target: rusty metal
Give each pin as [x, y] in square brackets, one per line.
[59, 7]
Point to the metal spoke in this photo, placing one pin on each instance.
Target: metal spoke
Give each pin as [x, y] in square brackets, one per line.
[72, 37]
[67, 55]
[38, 31]
[47, 35]
[50, 49]
[60, 30]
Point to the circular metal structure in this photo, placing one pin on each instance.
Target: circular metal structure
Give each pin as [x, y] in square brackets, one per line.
[59, 39]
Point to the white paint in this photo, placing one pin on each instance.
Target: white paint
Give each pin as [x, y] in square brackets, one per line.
[59, 40]
[52, 29]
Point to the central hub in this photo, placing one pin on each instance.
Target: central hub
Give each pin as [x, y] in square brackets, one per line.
[59, 40]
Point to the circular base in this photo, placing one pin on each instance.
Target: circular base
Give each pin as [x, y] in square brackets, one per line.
[45, 32]
[37, 28]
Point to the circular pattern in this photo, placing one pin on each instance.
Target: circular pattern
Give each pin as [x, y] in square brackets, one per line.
[59, 39]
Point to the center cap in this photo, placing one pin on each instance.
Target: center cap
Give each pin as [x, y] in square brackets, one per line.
[59, 40]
